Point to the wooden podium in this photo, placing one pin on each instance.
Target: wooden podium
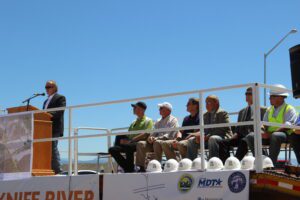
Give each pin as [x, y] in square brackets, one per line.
[42, 151]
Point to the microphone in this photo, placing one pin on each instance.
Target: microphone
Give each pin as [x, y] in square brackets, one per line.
[39, 94]
[34, 95]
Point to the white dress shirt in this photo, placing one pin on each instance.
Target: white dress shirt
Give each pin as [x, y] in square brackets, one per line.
[49, 100]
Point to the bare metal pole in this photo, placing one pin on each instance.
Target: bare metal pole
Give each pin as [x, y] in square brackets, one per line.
[265, 79]
[265, 60]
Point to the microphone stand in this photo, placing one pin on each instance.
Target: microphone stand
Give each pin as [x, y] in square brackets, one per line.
[28, 100]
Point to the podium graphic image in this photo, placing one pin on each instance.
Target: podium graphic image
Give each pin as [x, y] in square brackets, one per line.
[42, 151]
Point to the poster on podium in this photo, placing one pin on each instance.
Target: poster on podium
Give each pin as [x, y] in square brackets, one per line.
[16, 132]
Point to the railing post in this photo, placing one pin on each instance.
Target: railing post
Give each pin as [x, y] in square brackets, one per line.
[257, 130]
[70, 142]
[201, 123]
[109, 145]
[76, 151]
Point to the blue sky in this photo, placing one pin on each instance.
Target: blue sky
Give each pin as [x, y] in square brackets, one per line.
[107, 50]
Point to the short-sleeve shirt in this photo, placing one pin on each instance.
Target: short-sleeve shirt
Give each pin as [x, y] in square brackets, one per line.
[145, 123]
[168, 122]
[190, 121]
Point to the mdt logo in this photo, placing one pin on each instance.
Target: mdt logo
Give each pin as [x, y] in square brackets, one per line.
[209, 183]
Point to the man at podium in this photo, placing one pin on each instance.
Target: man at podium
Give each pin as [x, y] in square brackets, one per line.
[55, 100]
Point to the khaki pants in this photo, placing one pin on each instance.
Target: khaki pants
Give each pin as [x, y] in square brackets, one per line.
[143, 147]
[168, 149]
[182, 148]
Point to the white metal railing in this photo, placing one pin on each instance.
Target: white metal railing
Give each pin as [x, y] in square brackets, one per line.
[2, 112]
[257, 123]
[76, 131]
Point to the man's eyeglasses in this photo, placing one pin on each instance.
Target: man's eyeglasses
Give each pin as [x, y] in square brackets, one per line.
[48, 87]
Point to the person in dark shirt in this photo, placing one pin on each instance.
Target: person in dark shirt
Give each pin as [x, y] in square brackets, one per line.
[55, 100]
[215, 115]
[169, 146]
[246, 114]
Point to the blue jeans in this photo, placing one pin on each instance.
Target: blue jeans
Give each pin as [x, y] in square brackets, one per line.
[295, 141]
[213, 147]
[276, 139]
[192, 149]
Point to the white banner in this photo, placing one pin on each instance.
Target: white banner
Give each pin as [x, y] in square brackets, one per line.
[85, 187]
[225, 185]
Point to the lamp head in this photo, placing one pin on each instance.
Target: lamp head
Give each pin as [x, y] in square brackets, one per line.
[294, 30]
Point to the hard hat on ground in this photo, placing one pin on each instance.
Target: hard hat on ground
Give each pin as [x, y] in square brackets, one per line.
[185, 164]
[266, 161]
[196, 165]
[171, 165]
[154, 166]
[215, 164]
[247, 163]
[232, 163]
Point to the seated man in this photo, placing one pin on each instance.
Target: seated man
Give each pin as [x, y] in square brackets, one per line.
[279, 112]
[214, 115]
[246, 114]
[127, 144]
[169, 146]
[295, 141]
[155, 140]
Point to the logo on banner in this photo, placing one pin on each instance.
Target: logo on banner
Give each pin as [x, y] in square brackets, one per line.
[237, 182]
[185, 183]
[210, 183]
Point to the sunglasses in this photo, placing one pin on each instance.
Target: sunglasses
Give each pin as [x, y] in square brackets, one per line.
[48, 87]
[274, 96]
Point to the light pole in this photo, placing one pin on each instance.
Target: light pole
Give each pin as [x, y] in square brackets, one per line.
[265, 61]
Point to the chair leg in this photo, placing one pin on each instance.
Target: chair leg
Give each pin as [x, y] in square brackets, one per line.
[290, 152]
[98, 163]
[285, 153]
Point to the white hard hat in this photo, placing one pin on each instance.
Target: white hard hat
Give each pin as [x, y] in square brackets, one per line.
[247, 162]
[215, 164]
[196, 165]
[154, 166]
[267, 162]
[279, 91]
[171, 165]
[232, 163]
[165, 105]
[185, 164]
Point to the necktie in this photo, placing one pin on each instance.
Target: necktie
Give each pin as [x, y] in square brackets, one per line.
[248, 115]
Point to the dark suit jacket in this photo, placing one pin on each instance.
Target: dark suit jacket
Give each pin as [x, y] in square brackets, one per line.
[242, 131]
[219, 117]
[57, 116]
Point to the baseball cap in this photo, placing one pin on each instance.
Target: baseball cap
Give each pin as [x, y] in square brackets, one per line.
[140, 104]
[165, 105]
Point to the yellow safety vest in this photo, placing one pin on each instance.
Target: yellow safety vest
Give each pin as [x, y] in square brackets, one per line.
[279, 118]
